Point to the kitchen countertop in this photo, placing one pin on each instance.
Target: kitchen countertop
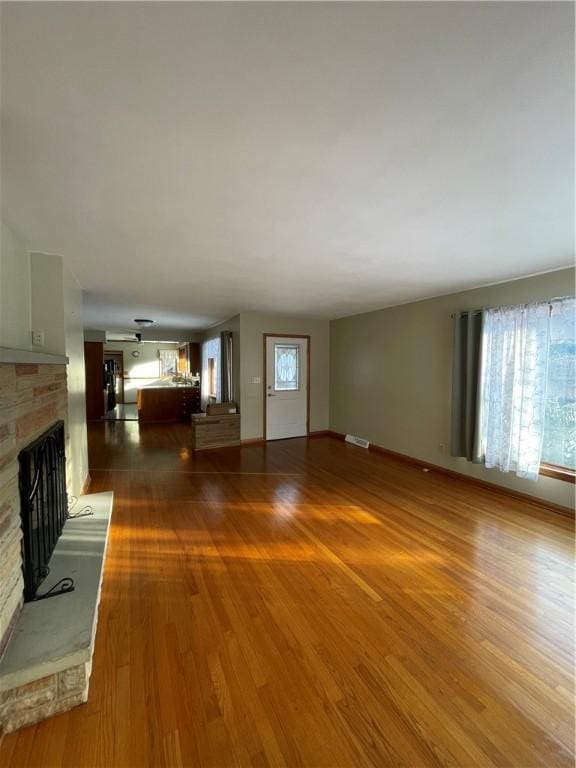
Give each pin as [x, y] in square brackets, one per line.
[168, 386]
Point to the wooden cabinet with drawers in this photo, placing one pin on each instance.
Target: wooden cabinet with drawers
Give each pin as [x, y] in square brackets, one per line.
[190, 402]
[158, 404]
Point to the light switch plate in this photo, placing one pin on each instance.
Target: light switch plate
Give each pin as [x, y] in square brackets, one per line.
[38, 338]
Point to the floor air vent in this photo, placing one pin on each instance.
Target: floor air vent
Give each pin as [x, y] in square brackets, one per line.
[357, 441]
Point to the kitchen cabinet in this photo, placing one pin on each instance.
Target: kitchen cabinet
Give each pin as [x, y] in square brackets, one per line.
[167, 403]
[189, 358]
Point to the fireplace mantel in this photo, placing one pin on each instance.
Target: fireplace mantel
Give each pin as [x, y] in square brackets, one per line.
[25, 356]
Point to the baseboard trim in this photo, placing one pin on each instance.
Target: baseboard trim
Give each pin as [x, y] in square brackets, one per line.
[487, 486]
[311, 435]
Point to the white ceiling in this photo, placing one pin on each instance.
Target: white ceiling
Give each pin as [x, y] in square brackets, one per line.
[193, 160]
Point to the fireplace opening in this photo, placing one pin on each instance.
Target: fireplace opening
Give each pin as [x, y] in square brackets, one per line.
[43, 508]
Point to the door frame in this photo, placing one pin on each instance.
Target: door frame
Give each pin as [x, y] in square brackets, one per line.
[265, 337]
[118, 355]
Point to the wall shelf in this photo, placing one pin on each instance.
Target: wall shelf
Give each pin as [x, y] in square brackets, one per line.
[25, 356]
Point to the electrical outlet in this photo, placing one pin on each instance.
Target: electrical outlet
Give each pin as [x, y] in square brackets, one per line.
[442, 447]
[38, 338]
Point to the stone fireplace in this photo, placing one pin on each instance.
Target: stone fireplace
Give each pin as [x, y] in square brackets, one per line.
[39, 679]
[32, 398]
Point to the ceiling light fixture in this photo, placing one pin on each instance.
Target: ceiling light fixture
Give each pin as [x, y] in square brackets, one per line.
[143, 322]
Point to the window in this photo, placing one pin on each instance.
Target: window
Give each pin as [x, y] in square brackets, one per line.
[286, 367]
[211, 368]
[212, 377]
[168, 362]
[559, 445]
[527, 399]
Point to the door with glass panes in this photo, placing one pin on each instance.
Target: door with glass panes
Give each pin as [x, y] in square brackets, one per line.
[286, 387]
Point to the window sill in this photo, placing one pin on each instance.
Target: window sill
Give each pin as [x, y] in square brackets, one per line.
[558, 473]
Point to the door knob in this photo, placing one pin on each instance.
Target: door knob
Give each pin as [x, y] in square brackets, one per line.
[271, 395]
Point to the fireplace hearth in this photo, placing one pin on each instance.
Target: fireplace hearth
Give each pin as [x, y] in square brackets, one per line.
[46, 646]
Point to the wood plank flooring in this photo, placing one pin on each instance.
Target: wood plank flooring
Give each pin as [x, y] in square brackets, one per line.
[305, 603]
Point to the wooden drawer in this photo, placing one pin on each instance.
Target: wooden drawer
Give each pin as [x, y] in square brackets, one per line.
[190, 402]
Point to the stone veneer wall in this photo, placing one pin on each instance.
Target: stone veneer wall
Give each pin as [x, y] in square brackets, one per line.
[32, 398]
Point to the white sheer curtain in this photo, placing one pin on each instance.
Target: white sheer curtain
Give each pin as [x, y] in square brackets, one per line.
[560, 433]
[514, 367]
[168, 362]
[210, 350]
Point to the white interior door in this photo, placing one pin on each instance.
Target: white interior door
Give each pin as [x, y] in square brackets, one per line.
[286, 387]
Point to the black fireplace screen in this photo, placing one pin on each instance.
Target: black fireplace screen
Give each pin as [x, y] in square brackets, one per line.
[43, 504]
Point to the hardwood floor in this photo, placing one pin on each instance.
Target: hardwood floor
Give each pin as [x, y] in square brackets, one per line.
[305, 603]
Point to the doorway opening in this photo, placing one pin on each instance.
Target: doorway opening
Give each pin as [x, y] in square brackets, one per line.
[116, 409]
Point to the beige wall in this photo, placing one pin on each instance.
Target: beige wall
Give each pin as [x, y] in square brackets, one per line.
[90, 334]
[56, 303]
[48, 301]
[74, 340]
[391, 370]
[37, 292]
[15, 309]
[252, 326]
